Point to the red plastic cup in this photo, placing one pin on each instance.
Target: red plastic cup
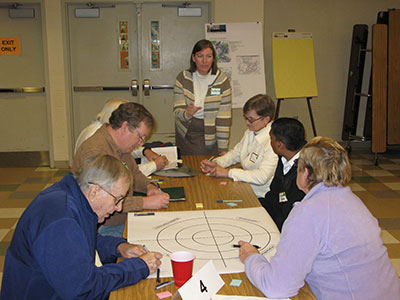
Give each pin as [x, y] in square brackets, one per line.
[182, 266]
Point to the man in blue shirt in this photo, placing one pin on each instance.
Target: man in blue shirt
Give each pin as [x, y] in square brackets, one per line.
[52, 253]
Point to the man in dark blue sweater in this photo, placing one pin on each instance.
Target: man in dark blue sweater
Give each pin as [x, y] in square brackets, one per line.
[287, 139]
[52, 253]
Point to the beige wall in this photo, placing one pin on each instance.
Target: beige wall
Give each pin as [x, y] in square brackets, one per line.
[331, 23]
[231, 11]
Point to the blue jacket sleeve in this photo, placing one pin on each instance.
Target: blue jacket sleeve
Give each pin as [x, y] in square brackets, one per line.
[67, 262]
[107, 247]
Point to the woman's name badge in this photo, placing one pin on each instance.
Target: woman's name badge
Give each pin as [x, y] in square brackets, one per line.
[253, 157]
[282, 197]
[215, 92]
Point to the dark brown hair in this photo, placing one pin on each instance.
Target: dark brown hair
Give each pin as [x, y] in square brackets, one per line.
[133, 113]
[200, 45]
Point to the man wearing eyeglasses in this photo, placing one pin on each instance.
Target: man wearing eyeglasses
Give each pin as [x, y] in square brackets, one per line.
[253, 152]
[129, 126]
[52, 253]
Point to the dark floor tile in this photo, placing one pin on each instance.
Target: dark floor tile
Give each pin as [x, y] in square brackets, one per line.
[24, 195]
[385, 194]
[32, 180]
[14, 175]
[364, 179]
[389, 224]
[395, 172]
[359, 173]
[393, 250]
[2, 258]
[7, 223]
[5, 195]
[386, 179]
[3, 248]
[62, 173]
[368, 167]
[15, 203]
[374, 186]
[8, 187]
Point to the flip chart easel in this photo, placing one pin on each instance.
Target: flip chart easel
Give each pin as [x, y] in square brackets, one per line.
[294, 68]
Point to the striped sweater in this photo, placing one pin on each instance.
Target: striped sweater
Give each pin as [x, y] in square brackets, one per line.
[217, 108]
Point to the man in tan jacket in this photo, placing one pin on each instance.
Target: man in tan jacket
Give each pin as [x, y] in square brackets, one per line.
[128, 127]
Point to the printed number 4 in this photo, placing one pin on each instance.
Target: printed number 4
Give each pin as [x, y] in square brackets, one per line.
[203, 288]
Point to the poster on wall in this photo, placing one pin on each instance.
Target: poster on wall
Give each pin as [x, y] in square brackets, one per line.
[240, 56]
[155, 45]
[123, 45]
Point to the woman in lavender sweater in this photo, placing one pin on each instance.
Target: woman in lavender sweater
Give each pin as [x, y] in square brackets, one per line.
[330, 239]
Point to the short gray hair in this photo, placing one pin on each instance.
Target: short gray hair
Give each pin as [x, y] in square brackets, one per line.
[104, 170]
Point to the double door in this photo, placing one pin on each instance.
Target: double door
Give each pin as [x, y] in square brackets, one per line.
[23, 107]
[131, 51]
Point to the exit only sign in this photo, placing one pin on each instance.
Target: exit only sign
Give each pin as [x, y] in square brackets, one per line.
[10, 46]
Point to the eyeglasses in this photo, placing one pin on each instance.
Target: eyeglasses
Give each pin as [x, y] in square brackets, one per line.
[141, 137]
[251, 120]
[117, 201]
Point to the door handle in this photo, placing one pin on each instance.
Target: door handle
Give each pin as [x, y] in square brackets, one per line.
[22, 90]
[147, 87]
[134, 87]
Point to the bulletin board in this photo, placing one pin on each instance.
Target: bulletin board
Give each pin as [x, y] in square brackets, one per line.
[293, 65]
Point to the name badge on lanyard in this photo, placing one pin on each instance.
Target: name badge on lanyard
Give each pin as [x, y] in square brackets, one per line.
[282, 197]
[215, 92]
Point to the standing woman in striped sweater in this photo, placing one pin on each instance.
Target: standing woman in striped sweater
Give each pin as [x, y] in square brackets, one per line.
[202, 104]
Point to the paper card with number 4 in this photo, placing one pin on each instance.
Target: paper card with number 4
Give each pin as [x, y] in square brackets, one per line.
[202, 286]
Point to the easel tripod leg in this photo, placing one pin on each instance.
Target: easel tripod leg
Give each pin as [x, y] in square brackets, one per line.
[311, 116]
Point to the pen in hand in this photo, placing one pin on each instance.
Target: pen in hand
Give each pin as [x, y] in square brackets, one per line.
[159, 188]
[210, 159]
[158, 280]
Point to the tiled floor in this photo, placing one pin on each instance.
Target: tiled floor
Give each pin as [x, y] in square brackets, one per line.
[378, 187]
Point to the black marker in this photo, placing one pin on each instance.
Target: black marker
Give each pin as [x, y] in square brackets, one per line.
[158, 276]
[238, 246]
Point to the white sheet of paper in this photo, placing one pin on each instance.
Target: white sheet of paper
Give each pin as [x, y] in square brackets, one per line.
[209, 234]
[170, 152]
[203, 285]
[229, 297]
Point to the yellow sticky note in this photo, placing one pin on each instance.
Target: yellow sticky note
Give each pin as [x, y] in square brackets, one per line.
[199, 205]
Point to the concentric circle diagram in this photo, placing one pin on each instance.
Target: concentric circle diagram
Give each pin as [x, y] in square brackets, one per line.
[212, 237]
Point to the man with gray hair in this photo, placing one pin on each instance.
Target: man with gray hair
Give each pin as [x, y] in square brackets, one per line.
[52, 252]
[128, 127]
